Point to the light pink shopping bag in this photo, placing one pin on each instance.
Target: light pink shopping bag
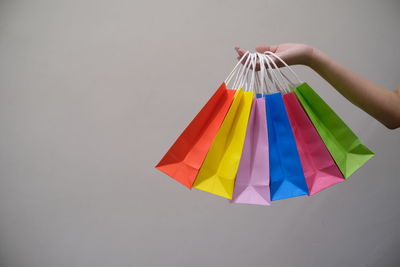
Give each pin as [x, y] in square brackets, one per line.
[252, 179]
[320, 170]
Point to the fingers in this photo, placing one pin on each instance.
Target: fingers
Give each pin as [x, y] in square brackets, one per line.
[241, 52]
[259, 49]
[273, 49]
[264, 48]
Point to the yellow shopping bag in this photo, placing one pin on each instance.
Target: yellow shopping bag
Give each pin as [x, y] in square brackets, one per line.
[218, 172]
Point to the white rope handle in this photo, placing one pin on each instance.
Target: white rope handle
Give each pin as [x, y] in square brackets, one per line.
[250, 80]
[260, 62]
[258, 89]
[286, 65]
[243, 78]
[240, 73]
[245, 71]
[289, 81]
[264, 75]
[284, 85]
[272, 75]
[244, 84]
[268, 72]
[235, 69]
[253, 74]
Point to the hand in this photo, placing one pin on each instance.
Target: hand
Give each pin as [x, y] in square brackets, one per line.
[379, 102]
[292, 54]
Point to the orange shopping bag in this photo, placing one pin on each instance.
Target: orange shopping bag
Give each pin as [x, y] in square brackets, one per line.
[183, 160]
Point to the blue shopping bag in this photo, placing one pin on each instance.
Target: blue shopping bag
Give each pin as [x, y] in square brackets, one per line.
[286, 173]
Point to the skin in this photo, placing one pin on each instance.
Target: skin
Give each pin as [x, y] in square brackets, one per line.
[379, 102]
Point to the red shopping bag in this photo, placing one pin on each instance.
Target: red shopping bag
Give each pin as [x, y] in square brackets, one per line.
[185, 157]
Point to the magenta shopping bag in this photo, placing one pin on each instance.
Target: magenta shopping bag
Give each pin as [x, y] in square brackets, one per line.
[320, 169]
[252, 179]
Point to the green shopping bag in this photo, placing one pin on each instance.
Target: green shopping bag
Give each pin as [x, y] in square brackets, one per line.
[344, 146]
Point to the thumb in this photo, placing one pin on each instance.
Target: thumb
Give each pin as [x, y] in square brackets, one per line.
[240, 51]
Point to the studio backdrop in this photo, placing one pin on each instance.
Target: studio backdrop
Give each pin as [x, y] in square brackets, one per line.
[93, 93]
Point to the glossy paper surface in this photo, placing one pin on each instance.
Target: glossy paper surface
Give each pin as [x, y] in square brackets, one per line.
[344, 146]
[318, 165]
[218, 172]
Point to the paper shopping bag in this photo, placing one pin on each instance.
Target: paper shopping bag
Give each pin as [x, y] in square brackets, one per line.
[252, 179]
[218, 172]
[319, 168]
[183, 160]
[286, 173]
[344, 146]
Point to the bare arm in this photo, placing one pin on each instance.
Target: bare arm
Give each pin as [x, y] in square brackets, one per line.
[379, 102]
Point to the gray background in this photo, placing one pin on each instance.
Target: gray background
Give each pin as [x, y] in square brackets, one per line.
[94, 92]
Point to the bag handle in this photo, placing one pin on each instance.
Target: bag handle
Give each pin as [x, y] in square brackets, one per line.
[235, 69]
[286, 65]
[257, 84]
[247, 79]
[253, 73]
[283, 85]
[272, 74]
[243, 77]
[239, 74]
[263, 79]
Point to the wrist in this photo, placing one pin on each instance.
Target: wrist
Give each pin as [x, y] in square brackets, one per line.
[315, 59]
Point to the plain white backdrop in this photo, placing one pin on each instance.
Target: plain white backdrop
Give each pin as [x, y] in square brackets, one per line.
[92, 94]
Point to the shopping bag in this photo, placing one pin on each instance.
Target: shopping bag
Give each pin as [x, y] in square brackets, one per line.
[286, 173]
[319, 168]
[218, 172]
[345, 147]
[183, 160]
[252, 179]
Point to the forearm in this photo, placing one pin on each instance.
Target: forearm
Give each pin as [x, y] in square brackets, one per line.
[380, 103]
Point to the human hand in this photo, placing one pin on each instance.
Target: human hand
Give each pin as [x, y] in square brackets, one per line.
[292, 54]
